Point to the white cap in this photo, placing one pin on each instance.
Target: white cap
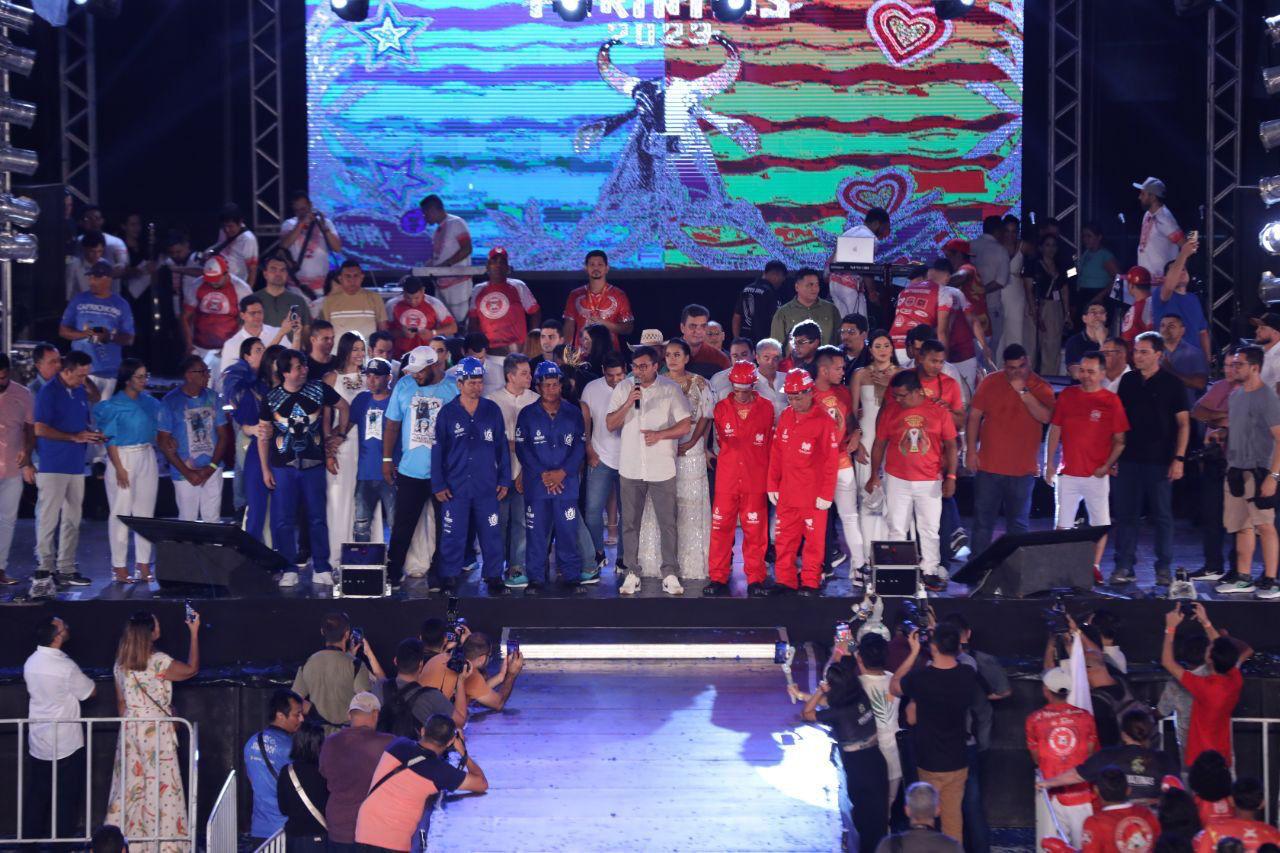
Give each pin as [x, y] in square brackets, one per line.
[1057, 680]
[1155, 186]
[364, 702]
[420, 357]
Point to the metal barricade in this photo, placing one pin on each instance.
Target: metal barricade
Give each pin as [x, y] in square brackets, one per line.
[1170, 722]
[122, 761]
[222, 829]
[274, 844]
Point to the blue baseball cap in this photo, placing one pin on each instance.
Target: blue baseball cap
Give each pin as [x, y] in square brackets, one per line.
[100, 269]
[470, 368]
[547, 369]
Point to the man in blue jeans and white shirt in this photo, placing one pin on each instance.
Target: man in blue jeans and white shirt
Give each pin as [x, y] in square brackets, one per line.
[368, 413]
[513, 396]
[604, 449]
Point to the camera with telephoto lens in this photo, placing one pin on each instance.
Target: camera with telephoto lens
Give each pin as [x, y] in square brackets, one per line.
[1213, 452]
[453, 635]
[1055, 618]
[915, 617]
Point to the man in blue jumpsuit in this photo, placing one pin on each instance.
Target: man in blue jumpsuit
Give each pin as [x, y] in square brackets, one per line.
[470, 473]
[549, 444]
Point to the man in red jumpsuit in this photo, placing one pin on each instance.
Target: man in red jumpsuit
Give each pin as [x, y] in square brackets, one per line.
[803, 464]
[744, 430]
[1060, 737]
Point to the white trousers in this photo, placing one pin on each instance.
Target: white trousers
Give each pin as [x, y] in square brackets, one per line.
[340, 495]
[872, 523]
[923, 498]
[1070, 818]
[847, 506]
[199, 503]
[10, 497]
[1094, 491]
[968, 370]
[457, 298]
[1013, 299]
[139, 462]
[423, 545]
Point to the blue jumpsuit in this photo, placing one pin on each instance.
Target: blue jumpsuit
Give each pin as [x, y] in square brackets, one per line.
[545, 444]
[471, 459]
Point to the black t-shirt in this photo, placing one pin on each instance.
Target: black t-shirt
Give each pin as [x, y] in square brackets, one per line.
[853, 365]
[1105, 700]
[298, 818]
[1151, 405]
[1144, 768]
[316, 370]
[943, 698]
[757, 303]
[1077, 345]
[852, 723]
[297, 440]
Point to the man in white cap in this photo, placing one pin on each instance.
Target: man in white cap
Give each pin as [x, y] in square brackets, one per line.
[1060, 737]
[1161, 236]
[416, 401]
[347, 761]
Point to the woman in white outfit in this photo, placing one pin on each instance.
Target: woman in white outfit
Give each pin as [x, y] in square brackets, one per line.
[867, 387]
[129, 420]
[693, 493]
[348, 381]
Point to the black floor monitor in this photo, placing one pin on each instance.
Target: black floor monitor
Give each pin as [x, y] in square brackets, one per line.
[1022, 564]
[211, 558]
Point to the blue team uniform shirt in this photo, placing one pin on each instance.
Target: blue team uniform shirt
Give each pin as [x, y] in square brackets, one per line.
[370, 416]
[544, 444]
[1184, 305]
[194, 423]
[126, 421]
[466, 449]
[416, 408]
[267, 818]
[65, 409]
[86, 312]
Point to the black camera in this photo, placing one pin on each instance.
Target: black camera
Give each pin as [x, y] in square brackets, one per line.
[1187, 609]
[1055, 618]
[457, 660]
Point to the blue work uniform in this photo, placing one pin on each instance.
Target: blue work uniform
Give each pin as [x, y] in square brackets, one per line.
[544, 443]
[470, 458]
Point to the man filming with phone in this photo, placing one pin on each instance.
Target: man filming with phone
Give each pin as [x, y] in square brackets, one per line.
[330, 677]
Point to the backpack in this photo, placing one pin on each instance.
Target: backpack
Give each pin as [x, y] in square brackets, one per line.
[1128, 702]
[397, 708]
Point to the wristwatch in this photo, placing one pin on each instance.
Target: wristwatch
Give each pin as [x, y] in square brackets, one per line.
[1275, 476]
[1179, 459]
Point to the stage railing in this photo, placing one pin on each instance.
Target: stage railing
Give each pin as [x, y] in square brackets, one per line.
[275, 844]
[221, 830]
[122, 762]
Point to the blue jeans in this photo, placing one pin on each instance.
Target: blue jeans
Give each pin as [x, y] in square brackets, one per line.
[369, 493]
[296, 488]
[601, 481]
[994, 494]
[511, 526]
[948, 523]
[1136, 484]
[977, 835]
[257, 494]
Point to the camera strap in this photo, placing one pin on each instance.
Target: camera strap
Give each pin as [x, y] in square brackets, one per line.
[404, 765]
[262, 748]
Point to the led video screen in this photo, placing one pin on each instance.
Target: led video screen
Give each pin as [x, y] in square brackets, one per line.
[660, 133]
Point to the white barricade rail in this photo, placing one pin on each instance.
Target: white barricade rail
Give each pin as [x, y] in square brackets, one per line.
[1168, 725]
[221, 830]
[274, 844]
[93, 816]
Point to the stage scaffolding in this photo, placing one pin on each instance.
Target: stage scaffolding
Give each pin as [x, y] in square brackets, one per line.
[1224, 58]
[265, 125]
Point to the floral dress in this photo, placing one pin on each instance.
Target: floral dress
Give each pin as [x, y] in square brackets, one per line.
[693, 497]
[148, 694]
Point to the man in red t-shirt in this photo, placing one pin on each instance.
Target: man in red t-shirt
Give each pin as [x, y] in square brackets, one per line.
[1090, 424]
[1138, 318]
[597, 302]
[503, 310]
[1121, 827]
[1060, 737]
[1213, 695]
[920, 304]
[211, 311]
[706, 360]
[831, 394]
[744, 432]
[1006, 420]
[1247, 796]
[414, 317]
[916, 446]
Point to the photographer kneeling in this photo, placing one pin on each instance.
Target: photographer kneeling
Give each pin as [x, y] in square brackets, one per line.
[444, 672]
[406, 703]
[852, 718]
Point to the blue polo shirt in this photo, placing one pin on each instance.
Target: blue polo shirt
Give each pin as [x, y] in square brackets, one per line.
[470, 457]
[369, 416]
[194, 423]
[416, 408]
[263, 764]
[1184, 305]
[126, 421]
[86, 312]
[65, 409]
[544, 444]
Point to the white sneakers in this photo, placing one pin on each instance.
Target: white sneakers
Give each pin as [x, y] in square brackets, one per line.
[671, 585]
[322, 578]
[288, 579]
[630, 585]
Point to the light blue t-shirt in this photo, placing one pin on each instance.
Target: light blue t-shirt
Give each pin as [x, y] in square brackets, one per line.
[126, 421]
[194, 423]
[86, 312]
[416, 407]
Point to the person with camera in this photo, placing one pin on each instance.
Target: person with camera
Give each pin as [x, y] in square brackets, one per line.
[408, 776]
[309, 237]
[1253, 471]
[872, 656]
[330, 677]
[347, 761]
[407, 702]
[1059, 737]
[940, 697]
[463, 667]
[852, 716]
[1213, 695]
[923, 808]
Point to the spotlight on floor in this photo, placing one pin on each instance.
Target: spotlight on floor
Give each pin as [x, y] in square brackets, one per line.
[572, 10]
[946, 10]
[730, 11]
[350, 10]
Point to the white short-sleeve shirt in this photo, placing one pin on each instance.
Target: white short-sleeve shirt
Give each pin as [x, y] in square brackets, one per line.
[239, 253]
[313, 257]
[662, 405]
[511, 406]
[1158, 242]
[56, 687]
[596, 396]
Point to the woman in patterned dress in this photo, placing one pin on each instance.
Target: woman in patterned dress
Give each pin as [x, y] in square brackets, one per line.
[144, 690]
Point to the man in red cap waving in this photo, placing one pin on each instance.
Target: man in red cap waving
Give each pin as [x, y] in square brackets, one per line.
[744, 430]
[803, 464]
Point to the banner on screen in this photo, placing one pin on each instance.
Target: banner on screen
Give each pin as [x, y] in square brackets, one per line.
[656, 132]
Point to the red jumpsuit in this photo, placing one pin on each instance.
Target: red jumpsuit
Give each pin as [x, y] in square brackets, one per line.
[803, 465]
[744, 434]
[1253, 833]
[1121, 829]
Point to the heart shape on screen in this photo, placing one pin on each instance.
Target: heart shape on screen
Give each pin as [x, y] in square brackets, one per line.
[906, 33]
[886, 191]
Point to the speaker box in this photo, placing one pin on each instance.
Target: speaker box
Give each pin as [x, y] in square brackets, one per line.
[1024, 564]
[209, 559]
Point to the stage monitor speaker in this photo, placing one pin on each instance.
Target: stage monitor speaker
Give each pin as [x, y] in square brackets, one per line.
[204, 558]
[1021, 564]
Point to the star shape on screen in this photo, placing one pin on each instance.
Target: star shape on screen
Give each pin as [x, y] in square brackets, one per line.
[389, 36]
[397, 180]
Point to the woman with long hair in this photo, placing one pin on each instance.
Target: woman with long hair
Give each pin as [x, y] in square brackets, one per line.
[594, 343]
[147, 798]
[348, 380]
[129, 420]
[1047, 280]
[867, 388]
[300, 788]
[693, 494]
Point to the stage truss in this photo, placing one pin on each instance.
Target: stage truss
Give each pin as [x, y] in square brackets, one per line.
[1065, 117]
[1224, 90]
[265, 126]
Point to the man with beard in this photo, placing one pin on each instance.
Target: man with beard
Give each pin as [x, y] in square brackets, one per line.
[598, 301]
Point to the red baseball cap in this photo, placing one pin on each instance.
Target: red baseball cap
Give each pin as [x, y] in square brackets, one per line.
[957, 245]
[743, 373]
[214, 269]
[1139, 275]
[498, 252]
[798, 380]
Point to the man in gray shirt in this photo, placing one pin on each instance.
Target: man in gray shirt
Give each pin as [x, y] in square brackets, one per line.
[1253, 469]
[406, 704]
[922, 811]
